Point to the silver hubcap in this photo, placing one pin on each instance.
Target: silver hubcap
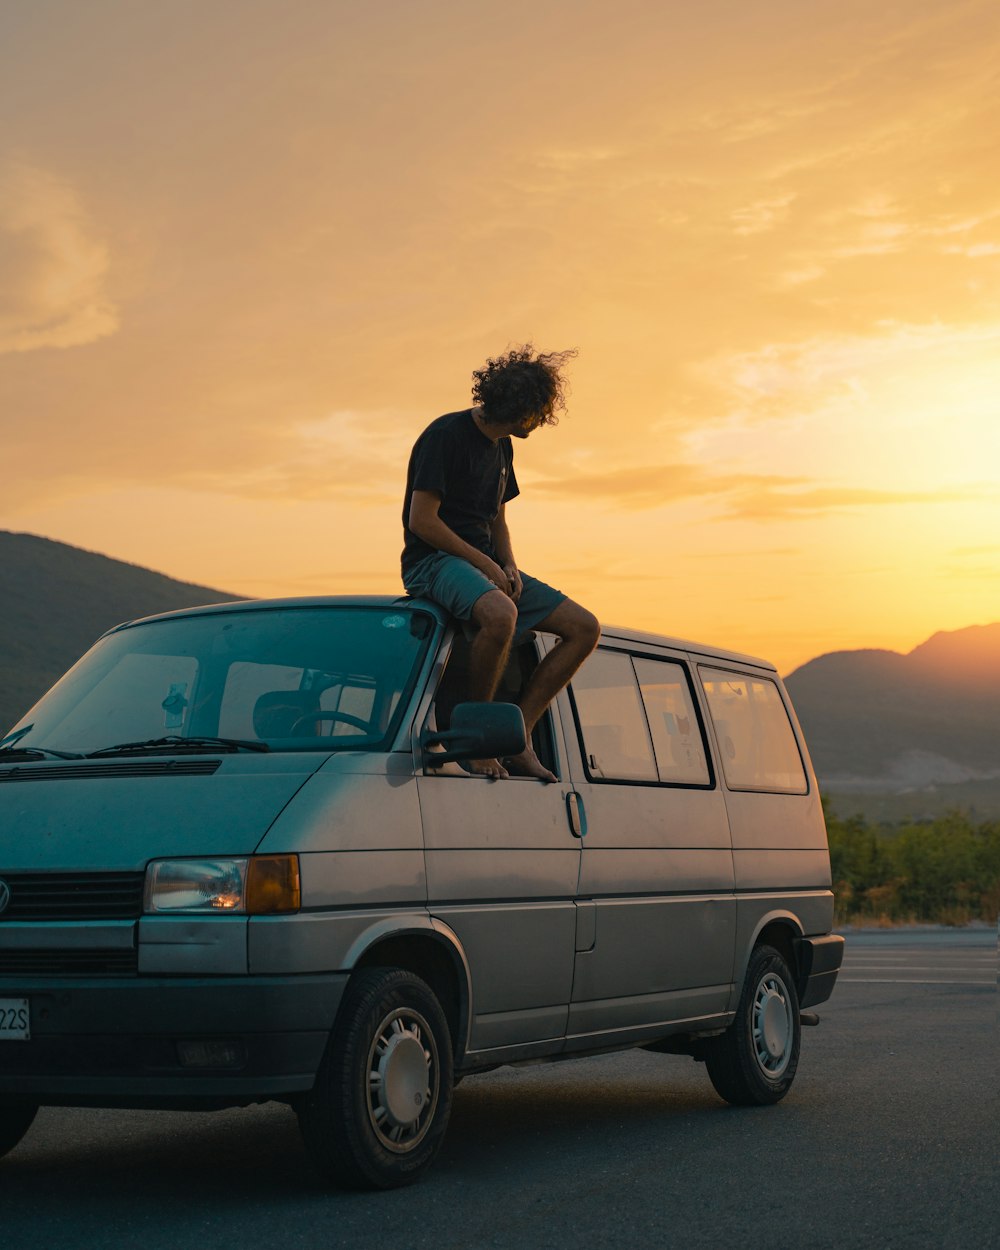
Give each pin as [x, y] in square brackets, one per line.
[402, 1080]
[772, 1027]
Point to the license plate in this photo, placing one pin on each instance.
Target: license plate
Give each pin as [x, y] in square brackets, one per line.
[15, 1021]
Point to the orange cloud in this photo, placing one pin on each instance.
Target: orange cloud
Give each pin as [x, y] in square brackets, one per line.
[768, 504]
[638, 487]
[53, 270]
[738, 496]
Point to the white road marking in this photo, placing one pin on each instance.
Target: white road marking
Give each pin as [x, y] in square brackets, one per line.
[904, 981]
[913, 967]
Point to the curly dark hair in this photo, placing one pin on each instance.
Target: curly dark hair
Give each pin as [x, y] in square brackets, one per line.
[521, 382]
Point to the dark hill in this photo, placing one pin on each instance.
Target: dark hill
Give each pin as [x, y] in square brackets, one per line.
[880, 718]
[55, 600]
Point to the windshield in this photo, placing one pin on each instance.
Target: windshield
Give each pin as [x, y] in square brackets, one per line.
[297, 679]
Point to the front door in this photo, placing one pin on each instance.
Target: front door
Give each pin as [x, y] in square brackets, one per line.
[502, 871]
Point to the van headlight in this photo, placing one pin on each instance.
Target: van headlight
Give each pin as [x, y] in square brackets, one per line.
[251, 885]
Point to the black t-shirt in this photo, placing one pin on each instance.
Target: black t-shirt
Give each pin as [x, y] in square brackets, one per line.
[472, 474]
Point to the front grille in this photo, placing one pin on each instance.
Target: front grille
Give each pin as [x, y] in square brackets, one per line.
[103, 769]
[73, 895]
[74, 963]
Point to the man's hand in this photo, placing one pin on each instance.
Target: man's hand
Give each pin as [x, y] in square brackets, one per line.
[498, 576]
[425, 521]
[514, 581]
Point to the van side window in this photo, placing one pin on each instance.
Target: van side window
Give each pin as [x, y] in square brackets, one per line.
[673, 722]
[755, 735]
[616, 741]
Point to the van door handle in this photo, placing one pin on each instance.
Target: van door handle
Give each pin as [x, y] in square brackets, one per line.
[577, 815]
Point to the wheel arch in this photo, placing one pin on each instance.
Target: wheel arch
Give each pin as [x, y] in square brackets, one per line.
[782, 930]
[431, 951]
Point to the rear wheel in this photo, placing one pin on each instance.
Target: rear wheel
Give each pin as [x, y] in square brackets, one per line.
[14, 1123]
[753, 1063]
[377, 1114]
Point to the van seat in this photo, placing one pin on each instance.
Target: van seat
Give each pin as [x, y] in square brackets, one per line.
[276, 713]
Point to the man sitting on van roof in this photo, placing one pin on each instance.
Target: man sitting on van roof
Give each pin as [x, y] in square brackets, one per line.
[457, 547]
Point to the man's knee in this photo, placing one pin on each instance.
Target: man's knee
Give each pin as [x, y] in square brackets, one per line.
[496, 616]
[580, 627]
[590, 628]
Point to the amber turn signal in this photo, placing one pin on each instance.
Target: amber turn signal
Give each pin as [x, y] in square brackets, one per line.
[273, 884]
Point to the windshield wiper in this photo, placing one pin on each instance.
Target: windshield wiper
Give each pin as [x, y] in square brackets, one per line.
[16, 736]
[175, 744]
[38, 753]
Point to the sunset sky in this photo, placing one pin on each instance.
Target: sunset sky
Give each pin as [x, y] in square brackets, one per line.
[249, 248]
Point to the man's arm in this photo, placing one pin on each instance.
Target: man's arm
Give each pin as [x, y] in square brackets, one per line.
[505, 552]
[424, 520]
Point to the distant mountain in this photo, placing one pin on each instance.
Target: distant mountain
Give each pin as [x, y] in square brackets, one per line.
[55, 600]
[878, 721]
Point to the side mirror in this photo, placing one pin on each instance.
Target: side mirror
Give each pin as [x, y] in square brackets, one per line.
[479, 731]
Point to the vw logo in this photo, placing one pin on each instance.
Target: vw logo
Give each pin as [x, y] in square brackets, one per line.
[4, 895]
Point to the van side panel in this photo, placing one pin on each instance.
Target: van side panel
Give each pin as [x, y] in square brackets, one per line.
[502, 871]
[800, 913]
[783, 870]
[324, 941]
[658, 865]
[792, 822]
[355, 802]
[781, 862]
[356, 828]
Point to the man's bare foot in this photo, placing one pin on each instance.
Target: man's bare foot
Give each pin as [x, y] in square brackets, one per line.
[486, 768]
[527, 764]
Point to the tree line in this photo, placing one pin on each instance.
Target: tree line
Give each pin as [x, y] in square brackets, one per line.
[942, 872]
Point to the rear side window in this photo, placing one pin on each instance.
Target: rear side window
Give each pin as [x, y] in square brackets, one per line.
[673, 722]
[638, 721]
[615, 737]
[755, 736]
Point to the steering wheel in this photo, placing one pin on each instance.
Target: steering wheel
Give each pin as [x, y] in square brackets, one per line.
[345, 718]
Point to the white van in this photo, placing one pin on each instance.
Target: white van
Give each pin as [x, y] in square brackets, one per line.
[240, 860]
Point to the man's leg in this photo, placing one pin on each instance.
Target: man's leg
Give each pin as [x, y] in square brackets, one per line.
[578, 631]
[495, 616]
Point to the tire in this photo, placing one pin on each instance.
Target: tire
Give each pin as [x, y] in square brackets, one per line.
[14, 1123]
[390, 1053]
[753, 1063]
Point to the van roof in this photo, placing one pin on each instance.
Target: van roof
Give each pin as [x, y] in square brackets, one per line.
[684, 644]
[616, 632]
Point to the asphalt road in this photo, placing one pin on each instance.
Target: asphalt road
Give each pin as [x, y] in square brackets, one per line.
[889, 1138]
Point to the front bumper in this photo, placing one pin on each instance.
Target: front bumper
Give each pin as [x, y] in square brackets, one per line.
[116, 1041]
[819, 962]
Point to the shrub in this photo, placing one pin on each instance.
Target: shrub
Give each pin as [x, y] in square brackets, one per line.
[945, 872]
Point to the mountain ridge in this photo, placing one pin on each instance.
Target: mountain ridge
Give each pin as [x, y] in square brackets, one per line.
[57, 599]
[893, 723]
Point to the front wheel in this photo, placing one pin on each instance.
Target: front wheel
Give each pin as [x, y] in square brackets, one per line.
[14, 1123]
[377, 1114]
[753, 1063]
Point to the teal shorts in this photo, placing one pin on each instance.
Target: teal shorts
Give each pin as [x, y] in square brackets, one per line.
[456, 584]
